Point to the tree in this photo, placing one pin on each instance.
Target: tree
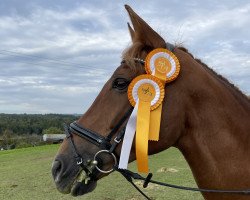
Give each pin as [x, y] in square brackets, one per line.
[7, 137]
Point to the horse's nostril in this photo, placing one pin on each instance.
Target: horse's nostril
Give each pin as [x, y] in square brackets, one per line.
[57, 170]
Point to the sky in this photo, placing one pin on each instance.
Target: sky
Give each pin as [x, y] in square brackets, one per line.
[55, 56]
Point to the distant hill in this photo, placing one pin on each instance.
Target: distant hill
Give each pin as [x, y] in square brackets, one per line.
[33, 123]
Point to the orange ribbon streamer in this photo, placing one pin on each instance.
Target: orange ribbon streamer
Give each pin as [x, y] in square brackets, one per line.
[155, 123]
[146, 93]
[142, 130]
[162, 66]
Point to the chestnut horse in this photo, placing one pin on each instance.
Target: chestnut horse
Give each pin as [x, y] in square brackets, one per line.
[204, 116]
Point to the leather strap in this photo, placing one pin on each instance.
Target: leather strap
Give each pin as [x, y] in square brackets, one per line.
[77, 157]
[120, 123]
[96, 138]
[170, 47]
[117, 140]
[129, 175]
[91, 136]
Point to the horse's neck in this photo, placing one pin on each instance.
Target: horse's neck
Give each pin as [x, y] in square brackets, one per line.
[216, 141]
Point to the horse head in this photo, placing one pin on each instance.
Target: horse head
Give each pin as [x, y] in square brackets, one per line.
[108, 108]
[191, 111]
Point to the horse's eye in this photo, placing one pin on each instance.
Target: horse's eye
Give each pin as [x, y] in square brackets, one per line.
[120, 83]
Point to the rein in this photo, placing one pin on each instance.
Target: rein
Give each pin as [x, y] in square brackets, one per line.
[108, 145]
[129, 175]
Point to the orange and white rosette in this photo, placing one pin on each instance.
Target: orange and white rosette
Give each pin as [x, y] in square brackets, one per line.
[145, 93]
[164, 65]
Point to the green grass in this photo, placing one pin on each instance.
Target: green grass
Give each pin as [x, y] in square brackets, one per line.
[26, 174]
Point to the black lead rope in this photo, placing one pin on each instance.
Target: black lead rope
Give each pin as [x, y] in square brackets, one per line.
[129, 175]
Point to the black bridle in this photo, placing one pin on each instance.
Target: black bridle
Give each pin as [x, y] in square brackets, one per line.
[108, 145]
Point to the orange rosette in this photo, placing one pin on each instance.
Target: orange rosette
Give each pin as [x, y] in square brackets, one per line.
[148, 85]
[145, 93]
[163, 64]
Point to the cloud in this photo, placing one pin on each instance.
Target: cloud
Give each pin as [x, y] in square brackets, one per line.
[56, 55]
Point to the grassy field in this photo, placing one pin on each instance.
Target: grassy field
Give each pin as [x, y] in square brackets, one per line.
[25, 174]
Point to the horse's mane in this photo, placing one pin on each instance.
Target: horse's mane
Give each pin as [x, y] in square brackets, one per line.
[223, 79]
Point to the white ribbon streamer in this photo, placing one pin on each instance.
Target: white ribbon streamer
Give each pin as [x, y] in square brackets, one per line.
[128, 138]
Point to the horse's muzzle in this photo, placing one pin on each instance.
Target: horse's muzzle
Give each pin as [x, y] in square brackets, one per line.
[72, 179]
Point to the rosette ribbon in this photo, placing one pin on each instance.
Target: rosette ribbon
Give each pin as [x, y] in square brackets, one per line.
[164, 65]
[146, 93]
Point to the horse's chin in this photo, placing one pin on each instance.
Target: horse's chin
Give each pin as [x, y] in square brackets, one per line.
[79, 185]
[81, 188]
[82, 185]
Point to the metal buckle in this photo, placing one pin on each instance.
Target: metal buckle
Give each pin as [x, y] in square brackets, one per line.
[117, 141]
[78, 162]
[113, 156]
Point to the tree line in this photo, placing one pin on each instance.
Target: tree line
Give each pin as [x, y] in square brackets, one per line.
[23, 124]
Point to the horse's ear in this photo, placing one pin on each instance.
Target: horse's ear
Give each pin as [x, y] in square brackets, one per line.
[143, 32]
